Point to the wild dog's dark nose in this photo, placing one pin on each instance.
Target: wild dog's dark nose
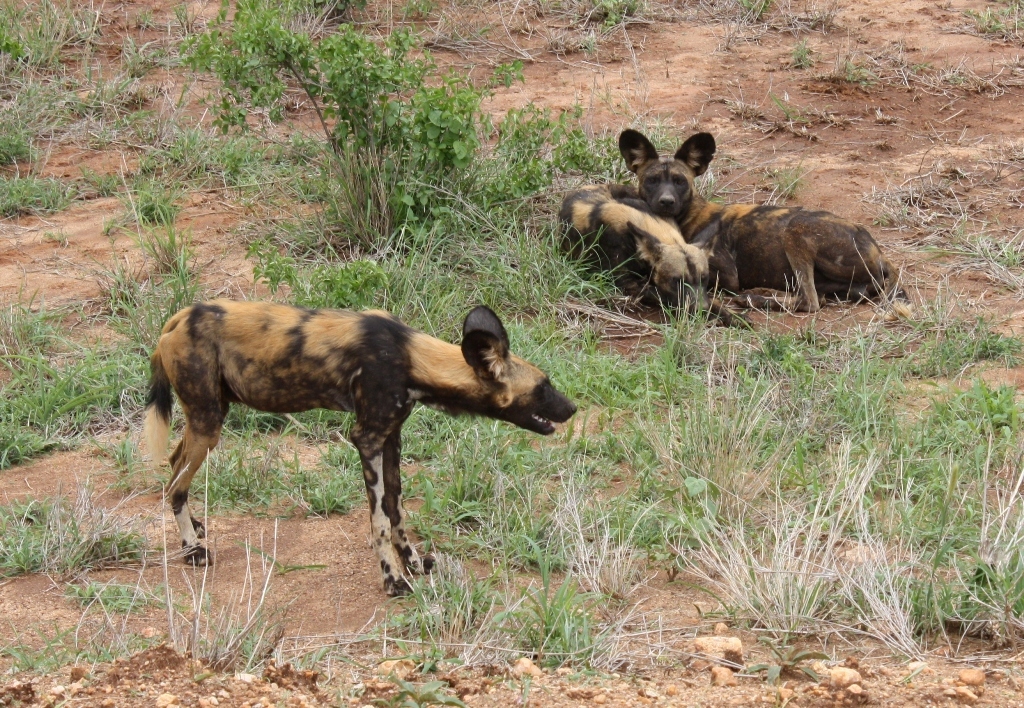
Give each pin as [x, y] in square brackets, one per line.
[667, 200]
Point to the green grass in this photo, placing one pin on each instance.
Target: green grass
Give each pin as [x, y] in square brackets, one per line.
[63, 535]
[112, 597]
[33, 195]
[43, 33]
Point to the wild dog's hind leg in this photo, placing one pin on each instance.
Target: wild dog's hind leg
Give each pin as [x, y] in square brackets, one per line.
[394, 509]
[371, 446]
[801, 259]
[185, 462]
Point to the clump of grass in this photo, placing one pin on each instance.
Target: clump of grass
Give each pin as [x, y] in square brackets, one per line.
[152, 204]
[240, 634]
[1005, 22]
[61, 535]
[785, 182]
[336, 488]
[42, 32]
[171, 251]
[113, 597]
[15, 144]
[802, 56]
[33, 195]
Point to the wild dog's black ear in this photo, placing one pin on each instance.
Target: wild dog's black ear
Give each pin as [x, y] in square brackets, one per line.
[485, 343]
[697, 152]
[636, 149]
[706, 236]
[646, 242]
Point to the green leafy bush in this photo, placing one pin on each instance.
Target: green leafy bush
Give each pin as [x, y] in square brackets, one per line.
[389, 98]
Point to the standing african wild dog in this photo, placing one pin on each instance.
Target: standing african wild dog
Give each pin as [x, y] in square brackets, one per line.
[815, 253]
[609, 226]
[285, 359]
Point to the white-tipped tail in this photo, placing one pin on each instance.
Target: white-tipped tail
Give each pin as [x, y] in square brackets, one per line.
[156, 431]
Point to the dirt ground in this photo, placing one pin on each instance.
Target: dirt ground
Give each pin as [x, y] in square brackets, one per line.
[956, 122]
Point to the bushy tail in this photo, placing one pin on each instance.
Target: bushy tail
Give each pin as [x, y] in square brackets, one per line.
[157, 428]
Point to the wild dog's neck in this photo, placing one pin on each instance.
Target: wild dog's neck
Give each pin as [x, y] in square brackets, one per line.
[701, 212]
[440, 371]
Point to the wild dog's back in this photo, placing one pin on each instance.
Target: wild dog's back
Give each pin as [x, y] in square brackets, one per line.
[253, 348]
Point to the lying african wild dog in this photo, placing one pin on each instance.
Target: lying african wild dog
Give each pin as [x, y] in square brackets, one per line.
[285, 359]
[815, 253]
[609, 226]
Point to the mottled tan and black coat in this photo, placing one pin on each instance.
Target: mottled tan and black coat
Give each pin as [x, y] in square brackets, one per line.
[285, 359]
[610, 227]
[814, 254]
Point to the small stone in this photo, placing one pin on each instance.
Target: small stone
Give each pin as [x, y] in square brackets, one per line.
[819, 668]
[972, 677]
[149, 632]
[78, 673]
[854, 689]
[204, 703]
[721, 629]
[671, 690]
[107, 703]
[841, 677]
[951, 692]
[166, 699]
[785, 694]
[966, 695]
[722, 676]
[524, 666]
[919, 667]
[214, 701]
[245, 678]
[400, 668]
[223, 693]
[57, 691]
[599, 699]
[729, 649]
[563, 671]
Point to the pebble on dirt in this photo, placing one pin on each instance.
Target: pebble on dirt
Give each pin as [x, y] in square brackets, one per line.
[841, 677]
[721, 676]
[728, 649]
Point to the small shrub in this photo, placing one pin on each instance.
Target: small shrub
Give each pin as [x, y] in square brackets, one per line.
[387, 98]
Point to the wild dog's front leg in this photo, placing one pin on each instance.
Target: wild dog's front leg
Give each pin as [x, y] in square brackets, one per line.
[371, 452]
[394, 509]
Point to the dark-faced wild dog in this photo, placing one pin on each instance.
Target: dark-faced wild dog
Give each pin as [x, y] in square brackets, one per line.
[285, 359]
[611, 227]
[813, 253]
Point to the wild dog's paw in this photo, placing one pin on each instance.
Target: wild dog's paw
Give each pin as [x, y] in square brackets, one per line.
[427, 563]
[197, 555]
[200, 529]
[397, 587]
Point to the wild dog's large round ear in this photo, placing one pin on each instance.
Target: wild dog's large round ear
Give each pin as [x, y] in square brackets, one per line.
[636, 149]
[485, 343]
[697, 152]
